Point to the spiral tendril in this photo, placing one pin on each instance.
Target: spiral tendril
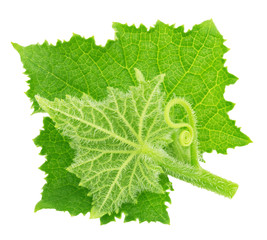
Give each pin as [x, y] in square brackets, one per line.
[186, 136]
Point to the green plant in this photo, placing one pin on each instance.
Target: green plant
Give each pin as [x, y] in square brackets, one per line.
[118, 136]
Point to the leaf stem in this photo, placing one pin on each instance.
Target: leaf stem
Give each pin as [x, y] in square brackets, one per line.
[199, 177]
[185, 148]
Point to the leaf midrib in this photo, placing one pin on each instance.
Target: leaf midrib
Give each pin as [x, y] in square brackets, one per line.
[114, 135]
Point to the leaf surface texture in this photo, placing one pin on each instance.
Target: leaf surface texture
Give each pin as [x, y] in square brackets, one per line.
[116, 141]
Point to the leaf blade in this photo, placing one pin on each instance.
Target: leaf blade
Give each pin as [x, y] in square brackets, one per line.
[61, 191]
[66, 194]
[114, 169]
[192, 61]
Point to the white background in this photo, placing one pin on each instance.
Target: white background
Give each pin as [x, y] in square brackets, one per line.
[194, 213]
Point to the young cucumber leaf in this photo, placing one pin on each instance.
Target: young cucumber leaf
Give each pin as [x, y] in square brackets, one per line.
[112, 139]
[120, 141]
[192, 61]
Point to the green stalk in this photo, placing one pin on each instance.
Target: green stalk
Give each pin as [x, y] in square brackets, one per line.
[199, 177]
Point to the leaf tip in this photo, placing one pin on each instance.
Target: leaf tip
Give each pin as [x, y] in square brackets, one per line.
[17, 46]
[158, 22]
[248, 140]
[116, 25]
[95, 213]
[139, 75]
[69, 169]
[37, 207]
[38, 98]
[160, 77]
[42, 102]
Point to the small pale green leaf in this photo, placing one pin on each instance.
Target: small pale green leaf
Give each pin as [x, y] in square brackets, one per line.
[113, 138]
[61, 192]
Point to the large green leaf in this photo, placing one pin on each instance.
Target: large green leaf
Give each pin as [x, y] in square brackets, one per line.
[61, 191]
[193, 63]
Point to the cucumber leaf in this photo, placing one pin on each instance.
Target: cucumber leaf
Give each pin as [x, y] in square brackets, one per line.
[192, 62]
[120, 144]
[116, 141]
[61, 192]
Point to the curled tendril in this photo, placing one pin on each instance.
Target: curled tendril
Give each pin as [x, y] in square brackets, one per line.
[186, 136]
